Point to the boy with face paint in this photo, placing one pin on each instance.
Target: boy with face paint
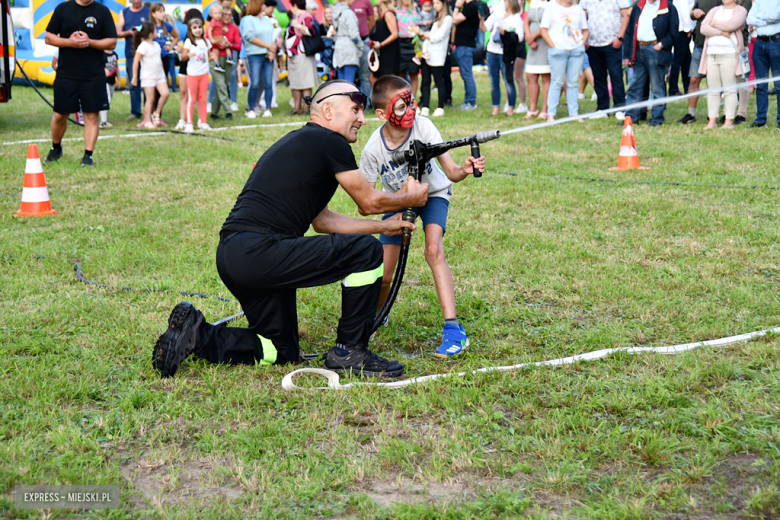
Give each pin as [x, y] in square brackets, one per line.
[395, 106]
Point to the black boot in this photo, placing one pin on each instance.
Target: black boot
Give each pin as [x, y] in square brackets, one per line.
[179, 340]
[359, 360]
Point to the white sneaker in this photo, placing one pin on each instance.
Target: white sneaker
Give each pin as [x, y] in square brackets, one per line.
[620, 116]
[180, 125]
[250, 114]
[599, 115]
[188, 129]
[267, 113]
[203, 126]
[522, 108]
[580, 96]
[438, 112]
[425, 112]
[594, 97]
[234, 107]
[506, 108]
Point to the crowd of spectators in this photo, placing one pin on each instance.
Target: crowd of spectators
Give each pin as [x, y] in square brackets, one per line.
[609, 44]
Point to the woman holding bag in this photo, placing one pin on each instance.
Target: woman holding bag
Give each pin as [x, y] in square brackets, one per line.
[720, 58]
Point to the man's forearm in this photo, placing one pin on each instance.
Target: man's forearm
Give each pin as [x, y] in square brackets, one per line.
[106, 44]
[384, 202]
[56, 41]
[330, 222]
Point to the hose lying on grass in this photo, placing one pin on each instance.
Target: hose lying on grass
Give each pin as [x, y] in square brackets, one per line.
[333, 377]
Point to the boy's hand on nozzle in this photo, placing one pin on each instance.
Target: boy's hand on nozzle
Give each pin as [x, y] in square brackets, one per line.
[396, 224]
[470, 163]
[418, 189]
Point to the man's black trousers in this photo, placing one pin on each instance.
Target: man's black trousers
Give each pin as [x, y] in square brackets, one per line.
[681, 64]
[263, 272]
[602, 60]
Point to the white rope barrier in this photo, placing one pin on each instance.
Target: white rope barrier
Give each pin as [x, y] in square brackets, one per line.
[333, 377]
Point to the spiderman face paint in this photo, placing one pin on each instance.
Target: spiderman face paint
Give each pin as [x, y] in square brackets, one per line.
[402, 110]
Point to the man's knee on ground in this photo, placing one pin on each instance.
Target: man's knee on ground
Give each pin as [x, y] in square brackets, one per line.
[374, 251]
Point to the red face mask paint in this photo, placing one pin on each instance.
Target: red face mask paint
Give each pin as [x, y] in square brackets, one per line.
[403, 120]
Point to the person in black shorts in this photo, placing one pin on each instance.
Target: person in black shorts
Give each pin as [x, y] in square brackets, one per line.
[82, 29]
[263, 256]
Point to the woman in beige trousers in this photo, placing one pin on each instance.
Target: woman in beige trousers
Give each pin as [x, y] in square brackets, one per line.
[720, 58]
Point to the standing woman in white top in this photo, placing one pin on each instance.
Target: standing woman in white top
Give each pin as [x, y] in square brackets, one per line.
[565, 29]
[505, 18]
[723, 27]
[435, 46]
[536, 65]
[147, 56]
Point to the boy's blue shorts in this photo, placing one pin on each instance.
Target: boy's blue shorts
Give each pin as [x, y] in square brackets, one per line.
[434, 212]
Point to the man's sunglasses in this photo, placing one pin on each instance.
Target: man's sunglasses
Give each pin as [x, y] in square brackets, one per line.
[357, 97]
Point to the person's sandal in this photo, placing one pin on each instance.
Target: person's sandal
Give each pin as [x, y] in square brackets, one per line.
[531, 114]
[156, 119]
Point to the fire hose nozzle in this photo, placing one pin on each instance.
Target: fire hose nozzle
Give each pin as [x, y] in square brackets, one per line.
[483, 137]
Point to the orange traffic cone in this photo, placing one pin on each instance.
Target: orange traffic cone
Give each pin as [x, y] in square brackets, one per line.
[35, 195]
[628, 158]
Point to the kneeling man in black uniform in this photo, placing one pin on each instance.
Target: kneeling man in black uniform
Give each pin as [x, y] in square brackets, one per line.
[263, 255]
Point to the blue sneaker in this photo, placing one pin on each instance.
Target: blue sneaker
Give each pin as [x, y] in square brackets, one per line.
[454, 340]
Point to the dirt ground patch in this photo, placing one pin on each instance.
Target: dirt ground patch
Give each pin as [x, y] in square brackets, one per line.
[157, 482]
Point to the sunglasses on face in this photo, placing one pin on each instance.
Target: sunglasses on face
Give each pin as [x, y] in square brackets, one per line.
[357, 97]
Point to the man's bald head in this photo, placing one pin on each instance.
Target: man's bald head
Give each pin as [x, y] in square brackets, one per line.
[334, 86]
[338, 113]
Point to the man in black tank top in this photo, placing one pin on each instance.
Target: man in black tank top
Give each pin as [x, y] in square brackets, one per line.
[263, 255]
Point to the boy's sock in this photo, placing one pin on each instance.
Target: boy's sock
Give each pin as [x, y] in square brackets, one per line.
[692, 111]
[454, 320]
[88, 153]
[57, 147]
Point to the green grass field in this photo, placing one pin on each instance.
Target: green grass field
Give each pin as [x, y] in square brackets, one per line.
[546, 264]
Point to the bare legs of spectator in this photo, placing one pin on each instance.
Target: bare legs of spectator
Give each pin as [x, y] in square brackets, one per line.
[521, 92]
[297, 98]
[59, 124]
[91, 130]
[586, 79]
[533, 94]
[694, 87]
[183, 97]
[297, 95]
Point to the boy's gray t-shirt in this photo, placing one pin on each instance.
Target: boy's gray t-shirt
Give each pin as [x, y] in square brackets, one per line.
[376, 161]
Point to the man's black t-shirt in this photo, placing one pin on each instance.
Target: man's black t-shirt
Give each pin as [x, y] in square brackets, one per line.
[466, 32]
[292, 182]
[94, 19]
